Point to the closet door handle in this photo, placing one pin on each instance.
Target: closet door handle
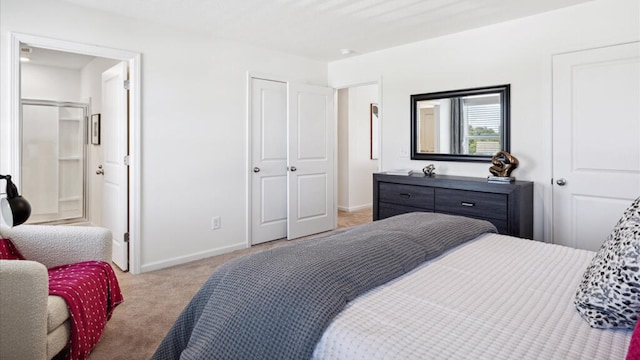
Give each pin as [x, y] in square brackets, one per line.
[100, 170]
[256, 169]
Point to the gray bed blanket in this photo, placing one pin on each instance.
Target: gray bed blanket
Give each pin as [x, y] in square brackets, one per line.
[275, 304]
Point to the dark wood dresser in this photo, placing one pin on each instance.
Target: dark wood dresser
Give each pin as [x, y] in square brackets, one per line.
[508, 206]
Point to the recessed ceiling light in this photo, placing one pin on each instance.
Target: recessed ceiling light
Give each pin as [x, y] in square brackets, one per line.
[346, 52]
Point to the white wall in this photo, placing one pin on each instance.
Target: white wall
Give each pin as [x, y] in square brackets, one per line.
[91, 81]
[193, 120]
[49, 83]
[355, 167]
[361, 167]
[517, 53]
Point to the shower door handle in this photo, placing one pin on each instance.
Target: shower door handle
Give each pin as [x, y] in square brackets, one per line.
[100, 170]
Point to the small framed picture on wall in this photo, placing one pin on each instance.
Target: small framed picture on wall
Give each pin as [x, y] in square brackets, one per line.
[375, 131]
[95, 129]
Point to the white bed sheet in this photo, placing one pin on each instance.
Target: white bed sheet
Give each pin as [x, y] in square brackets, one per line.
[497, 297]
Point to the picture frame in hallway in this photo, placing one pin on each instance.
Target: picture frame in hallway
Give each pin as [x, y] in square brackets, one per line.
[374, 131]
[95, 129]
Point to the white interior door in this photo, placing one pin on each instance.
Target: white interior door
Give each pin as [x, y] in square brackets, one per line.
[311, 183]
[269, 160]
[596, 147]
[114, 140]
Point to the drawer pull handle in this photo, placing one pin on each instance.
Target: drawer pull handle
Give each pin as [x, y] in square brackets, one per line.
[405, 195]
[468, 204]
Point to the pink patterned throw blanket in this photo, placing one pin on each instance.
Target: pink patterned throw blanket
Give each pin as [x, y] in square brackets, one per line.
[91, 291]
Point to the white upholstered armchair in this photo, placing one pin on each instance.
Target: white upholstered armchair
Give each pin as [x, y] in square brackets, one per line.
[34, 325]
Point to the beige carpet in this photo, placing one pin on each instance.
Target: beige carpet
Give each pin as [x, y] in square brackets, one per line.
[154, 300]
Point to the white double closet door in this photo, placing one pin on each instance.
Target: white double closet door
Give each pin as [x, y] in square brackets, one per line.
[292, 160]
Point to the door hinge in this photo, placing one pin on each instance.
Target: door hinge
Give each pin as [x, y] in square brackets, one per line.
[127, 85]
[126, 237]
[126, 160]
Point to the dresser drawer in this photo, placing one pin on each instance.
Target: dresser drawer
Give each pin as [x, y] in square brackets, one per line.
[471, 203]
[408, 195]
[508, 206]
[388, 210]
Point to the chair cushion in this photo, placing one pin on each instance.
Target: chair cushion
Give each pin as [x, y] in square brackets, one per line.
[57, 340]
[57, 312]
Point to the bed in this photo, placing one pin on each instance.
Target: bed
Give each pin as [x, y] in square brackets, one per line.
[474, 295]
[496, 297]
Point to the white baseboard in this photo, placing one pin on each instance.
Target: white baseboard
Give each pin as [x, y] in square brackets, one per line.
[189, 258]
[355, 208]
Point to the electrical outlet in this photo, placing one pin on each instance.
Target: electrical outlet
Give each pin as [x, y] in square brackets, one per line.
[215, 222]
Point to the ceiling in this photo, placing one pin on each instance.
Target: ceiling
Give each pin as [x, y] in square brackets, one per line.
[320, 29]
[61, 59]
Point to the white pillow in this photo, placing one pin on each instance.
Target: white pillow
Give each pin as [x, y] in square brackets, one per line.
[609, 294]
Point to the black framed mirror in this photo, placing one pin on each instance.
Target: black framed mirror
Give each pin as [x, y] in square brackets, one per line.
[460, 125]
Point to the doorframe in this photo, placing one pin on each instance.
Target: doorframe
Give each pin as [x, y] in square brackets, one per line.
[377, 82]
[347, 85]
[12, 125]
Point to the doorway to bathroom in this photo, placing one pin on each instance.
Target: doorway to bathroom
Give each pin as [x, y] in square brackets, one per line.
[74, 137]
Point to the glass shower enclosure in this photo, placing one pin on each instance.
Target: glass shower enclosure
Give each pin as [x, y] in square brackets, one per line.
[53, 160]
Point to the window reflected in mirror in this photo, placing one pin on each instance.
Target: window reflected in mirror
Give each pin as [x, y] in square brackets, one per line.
[467, 125]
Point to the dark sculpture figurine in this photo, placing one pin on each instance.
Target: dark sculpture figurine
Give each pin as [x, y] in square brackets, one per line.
[429, 170]
[503, 164]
